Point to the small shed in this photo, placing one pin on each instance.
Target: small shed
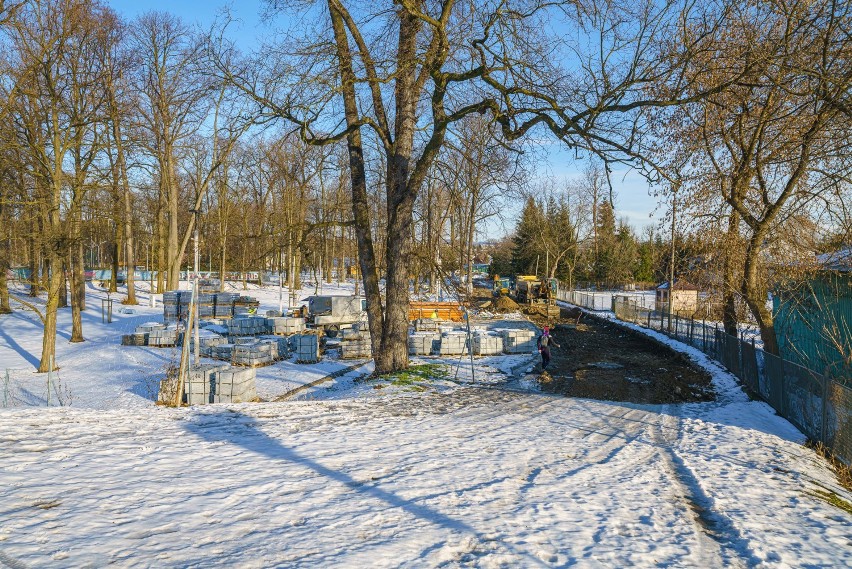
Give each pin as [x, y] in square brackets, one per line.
[684, 297]
[813, 318]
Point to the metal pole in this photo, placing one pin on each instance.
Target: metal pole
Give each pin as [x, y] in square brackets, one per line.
[280, 291]
[197, 341]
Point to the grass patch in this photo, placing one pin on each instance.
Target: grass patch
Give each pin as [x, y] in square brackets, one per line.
[415, 376]
[831, 498]
[841, 470]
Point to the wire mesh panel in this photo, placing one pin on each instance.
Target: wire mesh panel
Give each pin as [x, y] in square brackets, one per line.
[804, 399]
[838, 421]
[750, 374]
[774, 377]
[728, 352]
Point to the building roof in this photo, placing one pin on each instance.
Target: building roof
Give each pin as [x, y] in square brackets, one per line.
[840, 260]
[678, 285]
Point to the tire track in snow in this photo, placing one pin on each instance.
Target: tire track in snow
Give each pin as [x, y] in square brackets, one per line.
[11, 562]
[717, 535]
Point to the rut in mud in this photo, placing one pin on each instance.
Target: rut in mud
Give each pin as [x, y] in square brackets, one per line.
[601, 360]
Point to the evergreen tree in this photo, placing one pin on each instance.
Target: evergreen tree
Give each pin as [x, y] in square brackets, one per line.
[526, 251]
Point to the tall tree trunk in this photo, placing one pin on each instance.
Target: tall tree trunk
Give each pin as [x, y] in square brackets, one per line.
[55, 281]
[174, 257]
[5, 263]
[360, 196]
[400, 205]
[222, 265]
[81, 273]
[63, 290]
[755, 293]
[34, 263]
[116, 249]
[130, 252]
[161, 246]
[5, 307]
[729, 282]
[76, 299]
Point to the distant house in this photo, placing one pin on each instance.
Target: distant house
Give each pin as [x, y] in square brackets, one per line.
[684, 297]
[813, 318]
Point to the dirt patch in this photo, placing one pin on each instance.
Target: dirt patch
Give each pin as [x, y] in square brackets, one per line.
[600, 360]
[504, 304]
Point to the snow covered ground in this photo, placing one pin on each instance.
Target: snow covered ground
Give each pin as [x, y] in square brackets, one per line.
[425, 473]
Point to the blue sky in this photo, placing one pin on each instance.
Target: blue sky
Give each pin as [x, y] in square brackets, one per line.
[633, 199]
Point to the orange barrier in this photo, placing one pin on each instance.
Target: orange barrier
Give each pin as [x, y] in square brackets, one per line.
[440, 310]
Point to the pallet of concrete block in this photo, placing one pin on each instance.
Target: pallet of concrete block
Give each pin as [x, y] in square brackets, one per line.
[487, 343]
[235, 386]
[222, 352]
[307, 348]
[223, 304]
[285, 325]
[519, 341]
[207, 341]
[200, 384]
[426, 325]
[135, 339]
[281, 342]
[255, 354]
[356, 349]
[247, 326]
[166, 338]
[245, 305]
[453, 344]
[423, 343]
[358, 331]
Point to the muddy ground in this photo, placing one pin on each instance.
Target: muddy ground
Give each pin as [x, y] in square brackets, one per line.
[599, 360]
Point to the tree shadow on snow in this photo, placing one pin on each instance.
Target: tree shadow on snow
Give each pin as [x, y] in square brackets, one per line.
[24, 353]
[244, 431]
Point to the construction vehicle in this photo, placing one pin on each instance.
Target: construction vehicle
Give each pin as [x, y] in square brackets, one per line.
[329, 312]
[530, 288]
[501, 286]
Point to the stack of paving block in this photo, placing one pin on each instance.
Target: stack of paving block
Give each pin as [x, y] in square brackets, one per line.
[255, 354]
[173, 309]
[247, 326]
[205, 306]
[453, 344]
[281, 342]
[355, 342]
[284, 326]
[487, 343]
[519, 341]
[208, 342]
[426, 325]
[235, 386]
[307, 348]
[245, 305]
[140, 336]
[163, 338]
[200, 383]
[423, 343]
[223, 304]
[135, 339]
[222, 352]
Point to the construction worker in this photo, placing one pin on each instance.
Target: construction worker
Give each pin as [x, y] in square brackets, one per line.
[544, 343]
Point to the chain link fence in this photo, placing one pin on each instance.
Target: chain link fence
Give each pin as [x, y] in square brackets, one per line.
[817, 405]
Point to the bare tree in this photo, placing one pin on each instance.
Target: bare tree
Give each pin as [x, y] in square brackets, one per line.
[775, 140]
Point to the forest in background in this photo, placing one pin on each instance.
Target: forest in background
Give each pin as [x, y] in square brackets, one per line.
[378, 141]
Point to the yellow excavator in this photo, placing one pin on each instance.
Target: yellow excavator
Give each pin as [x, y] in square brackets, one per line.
[501, 286]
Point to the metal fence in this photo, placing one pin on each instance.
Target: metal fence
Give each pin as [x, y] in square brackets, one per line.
[591, 300]
[817, 405]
